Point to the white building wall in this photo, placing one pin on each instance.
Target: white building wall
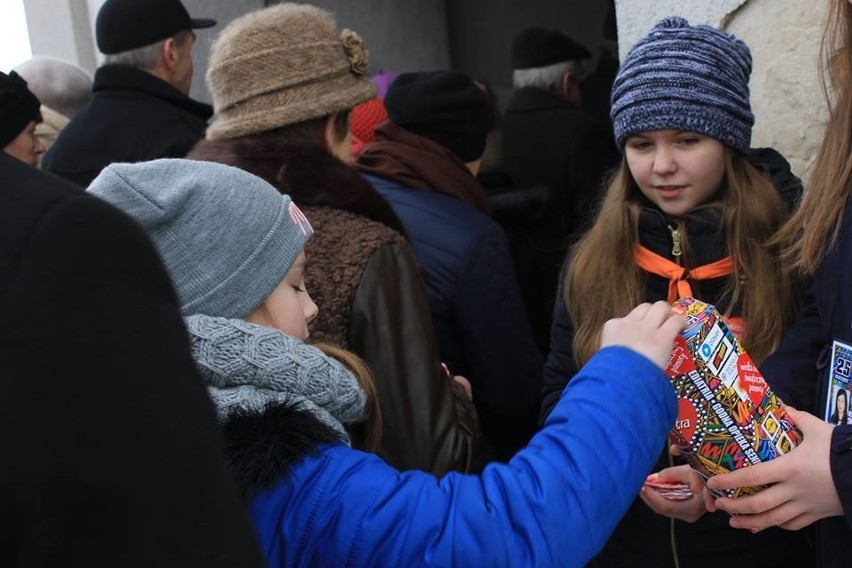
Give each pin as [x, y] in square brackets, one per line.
[784, 35]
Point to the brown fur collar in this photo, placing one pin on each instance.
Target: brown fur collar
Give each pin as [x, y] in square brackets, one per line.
[311, 176]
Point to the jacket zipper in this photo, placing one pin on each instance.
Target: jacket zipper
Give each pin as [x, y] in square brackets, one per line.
[676, 251]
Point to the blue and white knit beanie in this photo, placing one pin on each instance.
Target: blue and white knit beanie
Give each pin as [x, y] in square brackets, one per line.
[684, 77]
[227, 237]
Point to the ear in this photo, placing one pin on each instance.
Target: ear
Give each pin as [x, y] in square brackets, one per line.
[566, 84]
[328, 133]
[570, 88]
[171, 54]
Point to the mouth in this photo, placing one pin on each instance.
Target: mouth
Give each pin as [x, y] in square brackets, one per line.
[668, 191]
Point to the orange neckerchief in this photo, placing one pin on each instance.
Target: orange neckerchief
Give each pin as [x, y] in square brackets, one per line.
[679, 276]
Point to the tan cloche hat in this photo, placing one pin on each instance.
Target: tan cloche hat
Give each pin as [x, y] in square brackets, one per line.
[283, 65]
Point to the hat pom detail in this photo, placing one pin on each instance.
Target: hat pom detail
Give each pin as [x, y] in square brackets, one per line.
[672, 22]
[356, 51]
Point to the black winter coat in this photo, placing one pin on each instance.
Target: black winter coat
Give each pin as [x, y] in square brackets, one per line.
[549, 143]
[111, 453]
[644, 538]
[133, 117]
[798, 372]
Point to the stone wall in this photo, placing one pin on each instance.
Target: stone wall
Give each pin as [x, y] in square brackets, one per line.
[786, 92]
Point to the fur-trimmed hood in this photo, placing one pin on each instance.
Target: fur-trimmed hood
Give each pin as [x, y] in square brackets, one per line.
[261, 445]
[311, 176]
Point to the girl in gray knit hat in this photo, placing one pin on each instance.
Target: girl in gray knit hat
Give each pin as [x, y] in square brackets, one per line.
[236, 258]
[233, 247]
[689, 212]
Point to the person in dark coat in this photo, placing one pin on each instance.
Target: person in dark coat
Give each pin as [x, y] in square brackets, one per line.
[423, 163]
[140, 108]
[111, 453]
[813, 484]
[666, 230]
[550, 141]
[19, 118]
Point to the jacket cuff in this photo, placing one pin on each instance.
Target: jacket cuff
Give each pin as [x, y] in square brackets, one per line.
[840, 460]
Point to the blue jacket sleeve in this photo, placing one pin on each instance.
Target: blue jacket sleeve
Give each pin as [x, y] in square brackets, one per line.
[555, 503]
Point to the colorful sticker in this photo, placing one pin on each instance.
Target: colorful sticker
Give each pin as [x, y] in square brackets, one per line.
[837, 399]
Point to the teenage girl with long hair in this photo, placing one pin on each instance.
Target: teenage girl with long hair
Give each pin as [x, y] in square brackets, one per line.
[686, 213]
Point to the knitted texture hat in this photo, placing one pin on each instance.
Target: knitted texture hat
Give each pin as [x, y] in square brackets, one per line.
[540, 47]
[444, 106]
[366, 117]
[18, 107]
[684, 77]
[123, 25]
[283, 65]
[248, 366]
[227, 237]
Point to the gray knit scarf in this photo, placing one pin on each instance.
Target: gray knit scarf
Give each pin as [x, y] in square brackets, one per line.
[248, 366]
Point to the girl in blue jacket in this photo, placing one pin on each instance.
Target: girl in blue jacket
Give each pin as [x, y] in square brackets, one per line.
[813, 484]
[233, 246]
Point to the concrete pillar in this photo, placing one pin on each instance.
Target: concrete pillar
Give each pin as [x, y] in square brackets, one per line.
[63, 29]
[783, 35]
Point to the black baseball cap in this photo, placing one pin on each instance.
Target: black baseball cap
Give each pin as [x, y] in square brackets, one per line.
[539, 47]
[123, 25]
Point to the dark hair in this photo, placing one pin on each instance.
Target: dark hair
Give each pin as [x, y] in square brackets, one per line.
[835, 416]
[312, 132]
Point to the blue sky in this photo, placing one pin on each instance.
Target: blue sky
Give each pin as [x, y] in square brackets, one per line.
[14, 39]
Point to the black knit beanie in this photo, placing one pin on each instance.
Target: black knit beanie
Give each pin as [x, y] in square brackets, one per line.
[444, 106]
[18, 107]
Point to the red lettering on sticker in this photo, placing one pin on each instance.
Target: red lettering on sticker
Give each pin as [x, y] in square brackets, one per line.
[681, 361]
[751, 379]
[687, 419]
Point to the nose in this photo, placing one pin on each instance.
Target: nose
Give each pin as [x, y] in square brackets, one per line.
[39, 148]
[311, 309]
[664, 161]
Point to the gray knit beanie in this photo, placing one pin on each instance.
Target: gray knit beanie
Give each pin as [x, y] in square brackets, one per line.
[227, 237]
[283, 65]
[684, 77]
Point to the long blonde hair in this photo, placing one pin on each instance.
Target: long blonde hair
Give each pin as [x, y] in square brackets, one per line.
[603, 281]
[359, 368]
[814, 227]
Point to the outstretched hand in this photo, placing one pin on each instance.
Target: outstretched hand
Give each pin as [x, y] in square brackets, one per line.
[689, 509]
[803, 490]
[650, 330]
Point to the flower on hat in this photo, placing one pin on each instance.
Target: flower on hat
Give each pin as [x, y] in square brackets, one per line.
[356, 51]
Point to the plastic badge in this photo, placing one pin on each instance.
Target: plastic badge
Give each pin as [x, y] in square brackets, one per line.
[728, 417]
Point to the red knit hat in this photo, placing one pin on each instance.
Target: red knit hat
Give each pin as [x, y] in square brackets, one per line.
[366, 117]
